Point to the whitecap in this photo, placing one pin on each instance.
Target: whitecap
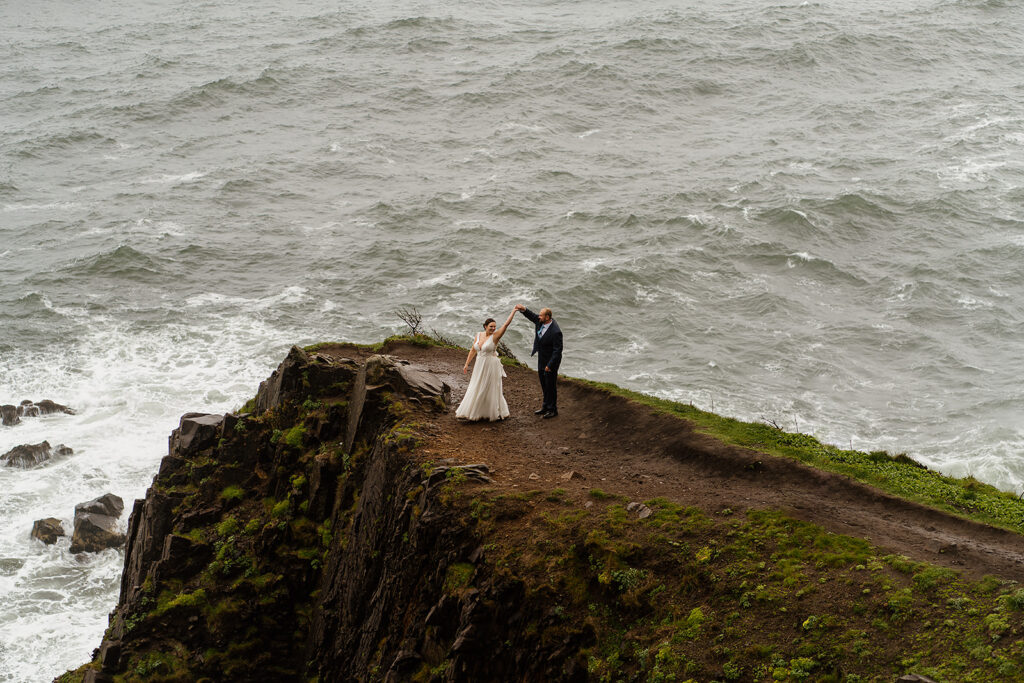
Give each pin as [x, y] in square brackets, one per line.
[588, 133]
[643, 295]
[63, 206]
[971, 304]
[174, 179]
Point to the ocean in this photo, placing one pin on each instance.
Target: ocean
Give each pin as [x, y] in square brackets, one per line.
[806, 213]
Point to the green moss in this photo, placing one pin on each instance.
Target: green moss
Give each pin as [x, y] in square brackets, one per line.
[280, 510]
[232, 493]
[167, 601]
[293, 437]
[458, 575]
[228, 527]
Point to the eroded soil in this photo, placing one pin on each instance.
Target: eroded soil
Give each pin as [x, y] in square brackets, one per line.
[628, 449]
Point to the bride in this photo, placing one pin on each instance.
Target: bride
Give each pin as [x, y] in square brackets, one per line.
[484, 399]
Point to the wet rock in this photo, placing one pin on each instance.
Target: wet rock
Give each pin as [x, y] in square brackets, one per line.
[48, 530]
[11, 415]
[32, 455]
[96, 525]
[108, 504]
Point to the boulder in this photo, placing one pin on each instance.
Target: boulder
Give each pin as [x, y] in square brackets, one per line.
[195, 432]
[108, 504]
[48, 407]
[47, 530]
[11, 415]
[96, 525]
[31, 455]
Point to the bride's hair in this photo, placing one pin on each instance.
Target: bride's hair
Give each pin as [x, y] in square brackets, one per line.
[488, 322]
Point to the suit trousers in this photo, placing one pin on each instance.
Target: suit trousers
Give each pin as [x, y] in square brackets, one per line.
[549, 385]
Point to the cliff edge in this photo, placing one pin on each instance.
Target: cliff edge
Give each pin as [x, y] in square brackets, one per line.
[345, 527]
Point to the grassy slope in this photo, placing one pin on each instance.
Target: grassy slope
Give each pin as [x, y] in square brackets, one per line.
[898, 475]
[687, 596]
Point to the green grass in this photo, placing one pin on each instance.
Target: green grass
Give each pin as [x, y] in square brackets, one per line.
[899, 475]
[685, 595]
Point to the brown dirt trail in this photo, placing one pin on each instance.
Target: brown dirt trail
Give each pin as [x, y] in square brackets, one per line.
[625, 448]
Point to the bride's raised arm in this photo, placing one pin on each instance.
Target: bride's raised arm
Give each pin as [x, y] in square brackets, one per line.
[501, 330]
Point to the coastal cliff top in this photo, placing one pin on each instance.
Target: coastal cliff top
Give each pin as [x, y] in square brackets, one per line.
[607, 443]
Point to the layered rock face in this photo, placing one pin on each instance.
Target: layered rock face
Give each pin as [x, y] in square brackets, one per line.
[305, 541]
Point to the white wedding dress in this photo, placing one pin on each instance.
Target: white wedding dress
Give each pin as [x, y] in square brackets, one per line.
[484, 399]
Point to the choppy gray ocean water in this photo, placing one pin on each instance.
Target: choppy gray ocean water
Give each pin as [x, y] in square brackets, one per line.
[807, 212]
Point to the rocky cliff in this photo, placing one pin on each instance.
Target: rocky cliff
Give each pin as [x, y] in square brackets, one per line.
[345, 527]
[304, 539]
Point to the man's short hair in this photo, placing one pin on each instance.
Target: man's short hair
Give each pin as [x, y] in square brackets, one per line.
[545, 310]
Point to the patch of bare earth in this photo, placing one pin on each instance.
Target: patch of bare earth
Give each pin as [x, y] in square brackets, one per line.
[624, 448]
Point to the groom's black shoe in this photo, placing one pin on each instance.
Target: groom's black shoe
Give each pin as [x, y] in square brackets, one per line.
[550, 413]
[541, 411]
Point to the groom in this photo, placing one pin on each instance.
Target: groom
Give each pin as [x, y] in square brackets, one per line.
[547, 346]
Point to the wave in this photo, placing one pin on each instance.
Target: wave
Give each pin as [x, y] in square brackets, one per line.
[75, 140]
[124, 262]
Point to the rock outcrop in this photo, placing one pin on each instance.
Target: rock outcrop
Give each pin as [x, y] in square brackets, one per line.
[96, 525]
[305, 540]
[32, 455]
[47, 530]
[11, 415]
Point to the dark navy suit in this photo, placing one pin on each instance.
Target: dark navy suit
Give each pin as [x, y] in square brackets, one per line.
[548, 350]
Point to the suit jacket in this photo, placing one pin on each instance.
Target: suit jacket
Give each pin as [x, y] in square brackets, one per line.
[550, 345]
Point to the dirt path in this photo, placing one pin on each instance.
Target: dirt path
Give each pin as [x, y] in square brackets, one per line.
[627, 449]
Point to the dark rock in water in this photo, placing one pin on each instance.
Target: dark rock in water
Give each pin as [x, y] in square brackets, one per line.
[108, 504]
[31, 455]
[11, 415]
[96, 524]
[48, 530]
[48, 407]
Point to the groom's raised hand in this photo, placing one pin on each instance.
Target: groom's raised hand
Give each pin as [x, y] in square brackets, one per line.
[520, 308]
